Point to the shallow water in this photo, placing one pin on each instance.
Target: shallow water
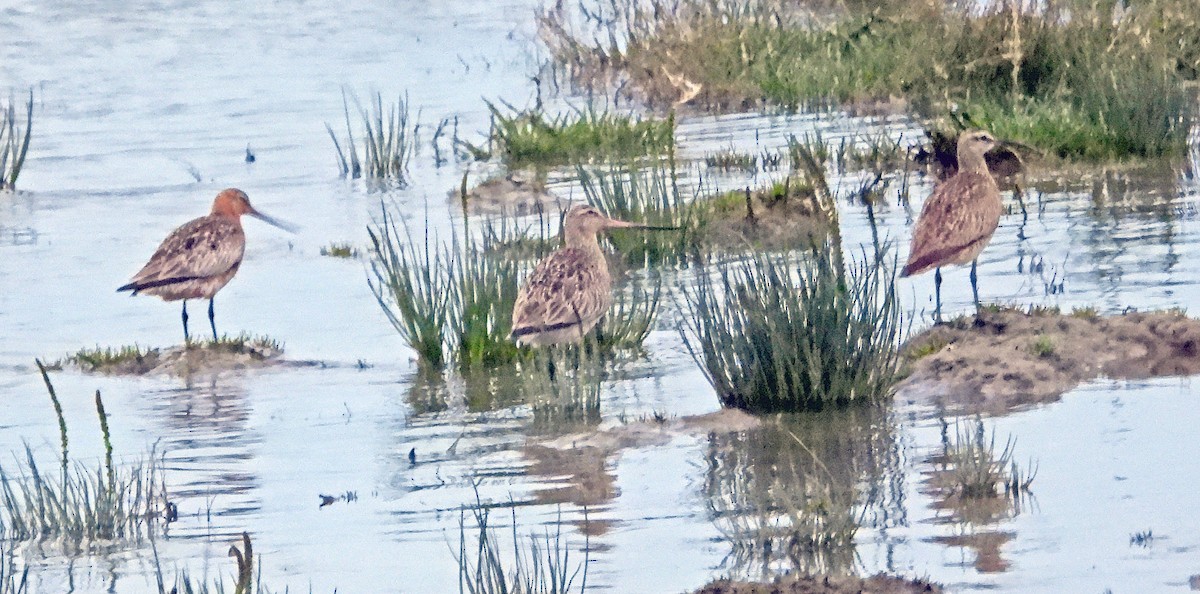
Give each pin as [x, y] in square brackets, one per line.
[130, 101]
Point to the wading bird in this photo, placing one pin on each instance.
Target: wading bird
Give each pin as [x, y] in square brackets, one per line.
[569, 290]
[958, 220]
[200, 257]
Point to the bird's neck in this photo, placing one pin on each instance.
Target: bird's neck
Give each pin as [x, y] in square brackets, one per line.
[969, 162]
[583, 241]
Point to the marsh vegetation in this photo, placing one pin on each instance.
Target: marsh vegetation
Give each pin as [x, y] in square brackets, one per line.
[78, 506]
[389, 140]
[1087, 80]
[533, 137]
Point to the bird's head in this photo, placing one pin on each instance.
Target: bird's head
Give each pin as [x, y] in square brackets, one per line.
[976, 142]
[234, 203]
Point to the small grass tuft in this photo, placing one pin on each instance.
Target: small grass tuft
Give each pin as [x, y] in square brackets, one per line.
[108, 358]
[14, 142]
[1043, 347]
[340, 250]
[977, 470]
[389, 140]
[793, 333]
[538, 565]
[584, 135]
[1089, 312]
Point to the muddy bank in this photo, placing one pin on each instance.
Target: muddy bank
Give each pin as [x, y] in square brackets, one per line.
[184, 360]
[877, 584]
[1004, 358]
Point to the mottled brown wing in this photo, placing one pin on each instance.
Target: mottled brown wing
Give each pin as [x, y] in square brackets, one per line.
[201, 248]
[567, 289]
[956, 220]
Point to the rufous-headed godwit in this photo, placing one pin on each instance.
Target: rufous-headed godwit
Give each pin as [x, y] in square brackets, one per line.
[570, 290]
[958, 220]
[200, 257]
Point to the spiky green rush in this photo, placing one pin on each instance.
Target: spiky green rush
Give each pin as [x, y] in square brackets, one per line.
[795, 332]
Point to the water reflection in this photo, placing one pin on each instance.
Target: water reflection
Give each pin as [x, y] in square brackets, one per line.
[208, 446]
[791, 495]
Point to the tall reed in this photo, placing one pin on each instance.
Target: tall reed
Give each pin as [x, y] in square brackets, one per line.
[14, 142]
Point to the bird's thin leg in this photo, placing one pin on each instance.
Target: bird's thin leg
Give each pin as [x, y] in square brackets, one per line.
[937, 292]
[210, 318]
[186, 338]
[975, 284]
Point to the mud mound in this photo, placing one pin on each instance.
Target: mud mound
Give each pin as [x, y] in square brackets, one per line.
[227, 354]
[877, 584]
[1004, 358]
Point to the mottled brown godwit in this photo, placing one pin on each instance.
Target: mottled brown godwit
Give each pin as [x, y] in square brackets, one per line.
[569, 290]
[958, 220]
[200, 257]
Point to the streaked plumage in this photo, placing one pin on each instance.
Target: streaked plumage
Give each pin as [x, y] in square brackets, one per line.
[571, 289]
[958, 220]
[199, 258]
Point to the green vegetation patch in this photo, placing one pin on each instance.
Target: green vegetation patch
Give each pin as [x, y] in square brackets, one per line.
[796, 332]
[389, 140]
[340, 250]
[453, 302]
[584, 135]
[1082, 80]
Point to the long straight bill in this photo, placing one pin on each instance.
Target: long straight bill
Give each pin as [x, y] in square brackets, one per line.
[289, 227]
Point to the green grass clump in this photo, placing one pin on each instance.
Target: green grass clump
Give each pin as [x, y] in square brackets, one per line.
[1043, 347]
[584, 135]
[1081, 79]
[793, 333]
[538, 564]
[242, 344]
[79, 506]
[389, 140]
[14, 142]
[340, 250]
[453, 302]
[110, 358]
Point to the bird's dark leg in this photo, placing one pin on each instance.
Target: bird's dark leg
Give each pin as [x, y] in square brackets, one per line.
[210, 319]
[975, 284]
[937, 292]
[186, 339]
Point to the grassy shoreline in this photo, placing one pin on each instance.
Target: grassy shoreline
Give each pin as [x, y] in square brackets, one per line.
[1080, 80]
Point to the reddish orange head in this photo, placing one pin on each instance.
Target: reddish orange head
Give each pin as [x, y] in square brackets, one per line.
[233, 203]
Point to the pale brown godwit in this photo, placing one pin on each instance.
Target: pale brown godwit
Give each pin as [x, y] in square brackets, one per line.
[958, 220]
[200, 257]
[570, 290]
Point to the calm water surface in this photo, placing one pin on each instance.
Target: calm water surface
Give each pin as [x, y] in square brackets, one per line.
[134, 102]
